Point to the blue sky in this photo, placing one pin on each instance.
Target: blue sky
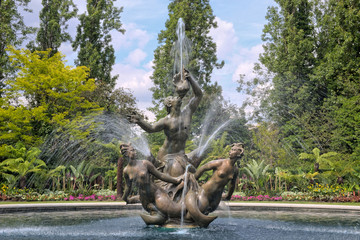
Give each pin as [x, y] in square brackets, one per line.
[238, 38]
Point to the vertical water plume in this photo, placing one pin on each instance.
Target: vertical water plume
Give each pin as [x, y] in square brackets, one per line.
[181, 49]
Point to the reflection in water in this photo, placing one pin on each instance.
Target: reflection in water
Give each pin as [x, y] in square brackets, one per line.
[127, 225]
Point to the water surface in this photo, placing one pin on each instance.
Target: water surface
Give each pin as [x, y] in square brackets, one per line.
[128, 225]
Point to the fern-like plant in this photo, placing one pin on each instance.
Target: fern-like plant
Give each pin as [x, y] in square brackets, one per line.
[257, 171]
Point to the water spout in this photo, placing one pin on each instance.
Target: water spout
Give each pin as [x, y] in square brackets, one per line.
[181, 49]
[62, 147]
[203, 147]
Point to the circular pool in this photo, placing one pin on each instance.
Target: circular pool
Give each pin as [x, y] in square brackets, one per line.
[128, 225]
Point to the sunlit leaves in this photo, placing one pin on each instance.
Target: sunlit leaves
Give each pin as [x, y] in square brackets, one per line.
[45, 94]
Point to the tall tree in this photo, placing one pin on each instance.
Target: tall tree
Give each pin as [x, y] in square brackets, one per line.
[311, 60]
[289, 57]
[55, 95]
[13, 31]
[53, 24]
[338, 70]
[93, 39]
[199, 19]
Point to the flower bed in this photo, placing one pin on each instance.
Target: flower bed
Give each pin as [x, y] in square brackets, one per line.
[255, 198]
[92, 197]
[15, 194]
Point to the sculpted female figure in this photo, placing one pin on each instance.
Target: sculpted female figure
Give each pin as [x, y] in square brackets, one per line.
[209, 194]
[176, 125]
[153, 198]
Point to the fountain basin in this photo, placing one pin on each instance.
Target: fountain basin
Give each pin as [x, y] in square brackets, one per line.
[299, 223]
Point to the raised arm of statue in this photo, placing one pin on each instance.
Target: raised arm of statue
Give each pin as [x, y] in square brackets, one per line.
[162, 176]
[195, 101]
[207, 167]
[150, 128]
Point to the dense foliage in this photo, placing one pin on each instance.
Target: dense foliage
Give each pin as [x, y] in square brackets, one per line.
[93, 39]
[45, 94]
[311, 61]
[53, 24]
[13, 31]
[303, 142]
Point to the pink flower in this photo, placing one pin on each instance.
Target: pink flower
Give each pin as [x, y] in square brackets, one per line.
[71, 198]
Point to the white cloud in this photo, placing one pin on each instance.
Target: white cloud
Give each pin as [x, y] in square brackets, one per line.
[133, 37]
[137, 79]
[136, 57]
[225, 37]
[247, 59]
[238, 60]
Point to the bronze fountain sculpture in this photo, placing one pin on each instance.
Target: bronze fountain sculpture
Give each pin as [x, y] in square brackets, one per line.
[167, 186]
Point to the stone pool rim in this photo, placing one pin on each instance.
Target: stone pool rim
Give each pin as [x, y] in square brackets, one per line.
[85, 206]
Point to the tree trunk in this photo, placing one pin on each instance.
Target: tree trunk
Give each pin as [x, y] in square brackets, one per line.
[280, 187]
[110, 183]
[119, 190]
[22, 182]
[53, 185]
[340, 180]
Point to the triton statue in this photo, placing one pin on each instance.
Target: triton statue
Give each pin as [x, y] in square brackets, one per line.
[168, 187]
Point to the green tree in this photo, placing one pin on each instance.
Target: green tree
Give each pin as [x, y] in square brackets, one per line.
[338, 44]
[119, 101]
[267, 145]
[308, 76]
[53, 24]
[93, 39]
[346, 133]
[199, 19]
[316, 157]
[294, 100]
[332, 164]
[338, 70]
[13, 31]
[54, 94]
[289, 54]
